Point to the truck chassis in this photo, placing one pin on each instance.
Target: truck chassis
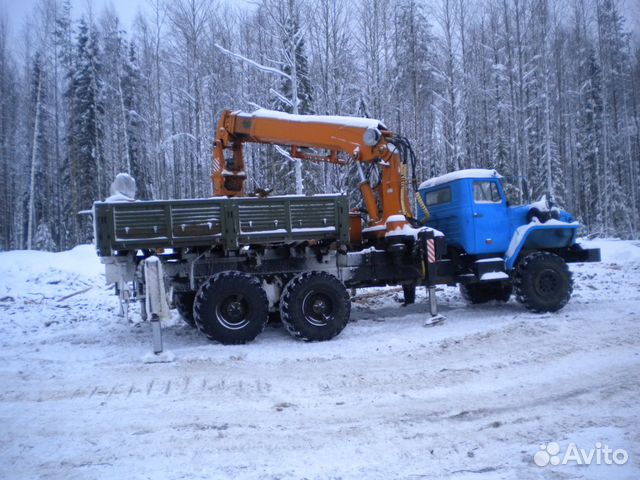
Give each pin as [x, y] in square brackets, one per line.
[283, 254]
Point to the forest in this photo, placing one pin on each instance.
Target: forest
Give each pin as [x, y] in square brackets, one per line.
[546, 92]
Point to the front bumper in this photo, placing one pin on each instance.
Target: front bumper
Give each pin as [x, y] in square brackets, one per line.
[577, 254]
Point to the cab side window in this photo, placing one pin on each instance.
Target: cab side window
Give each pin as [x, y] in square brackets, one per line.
[438, 196]
[486, 192]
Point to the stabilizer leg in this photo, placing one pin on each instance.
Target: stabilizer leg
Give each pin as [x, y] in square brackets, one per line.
[156, 302]
[156, 327]
[124, 295]
[436, 318]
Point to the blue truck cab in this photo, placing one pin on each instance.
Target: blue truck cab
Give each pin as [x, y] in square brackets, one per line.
[488, 239]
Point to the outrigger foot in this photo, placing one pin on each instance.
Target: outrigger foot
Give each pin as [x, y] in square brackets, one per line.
[434, 320]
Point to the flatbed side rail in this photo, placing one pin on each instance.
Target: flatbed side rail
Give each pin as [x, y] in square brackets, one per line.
[231, 222]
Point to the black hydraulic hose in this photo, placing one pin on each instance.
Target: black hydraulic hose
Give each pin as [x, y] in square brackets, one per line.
[408, 156]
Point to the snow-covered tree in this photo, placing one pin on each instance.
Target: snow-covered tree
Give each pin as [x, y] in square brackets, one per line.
[137, 149]
[85, 135]
[39, 165]
[43, 240]
[296, 92]
[546, 92]
[8, 141]
[414, 57]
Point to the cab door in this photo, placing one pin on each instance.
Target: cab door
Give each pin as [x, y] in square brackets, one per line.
[490, 219]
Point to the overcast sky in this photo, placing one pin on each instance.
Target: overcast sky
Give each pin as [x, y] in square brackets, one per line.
[17, 10]
[127, 10]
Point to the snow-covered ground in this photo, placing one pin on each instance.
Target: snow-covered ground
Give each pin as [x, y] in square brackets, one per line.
[388, 398]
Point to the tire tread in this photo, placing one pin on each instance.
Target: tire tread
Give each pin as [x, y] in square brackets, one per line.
[286, 298]
[523, 297]
[207, 286]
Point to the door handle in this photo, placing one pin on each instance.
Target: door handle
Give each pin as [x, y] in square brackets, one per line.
[476, 214]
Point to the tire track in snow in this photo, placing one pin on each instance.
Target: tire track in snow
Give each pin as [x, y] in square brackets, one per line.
[452, 361]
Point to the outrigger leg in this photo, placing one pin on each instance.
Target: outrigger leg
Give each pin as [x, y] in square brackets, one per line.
[155, 300]
[436, 318]
[124, 295]
[157, 334]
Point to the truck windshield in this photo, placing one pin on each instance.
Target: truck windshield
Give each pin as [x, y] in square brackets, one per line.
[486, 192]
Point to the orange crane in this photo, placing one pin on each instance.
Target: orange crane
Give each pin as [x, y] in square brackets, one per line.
[342, 140]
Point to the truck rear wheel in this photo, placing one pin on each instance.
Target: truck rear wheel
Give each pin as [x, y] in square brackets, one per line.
[184, 305]
[485, 292]
[315, 306]
[543, 282]
[231, 308]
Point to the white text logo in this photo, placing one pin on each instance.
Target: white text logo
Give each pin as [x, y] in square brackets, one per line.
[602, 454]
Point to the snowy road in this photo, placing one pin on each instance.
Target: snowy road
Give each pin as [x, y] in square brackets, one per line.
[473, 398]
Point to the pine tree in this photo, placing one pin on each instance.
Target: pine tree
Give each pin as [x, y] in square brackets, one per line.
[414, 59]
[115, 131]
[498, 109]
[85, 133]
[9, 113]
[132, 95]
[296, 66]
[616, 142]
[63, 44]
[511, 84]
[450, 75]
[545, 169]
[588, 138]
[43, 239]
[39, 163]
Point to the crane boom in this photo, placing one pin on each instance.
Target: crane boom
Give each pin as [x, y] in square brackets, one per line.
[361, 140]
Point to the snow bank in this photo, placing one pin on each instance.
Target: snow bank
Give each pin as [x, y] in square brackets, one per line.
[614, 250]
[80, 401]
[49, 273]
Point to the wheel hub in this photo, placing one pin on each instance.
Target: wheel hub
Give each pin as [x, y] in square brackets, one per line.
[235, 310]
[547, 283]
[232, 313]
[317, 308]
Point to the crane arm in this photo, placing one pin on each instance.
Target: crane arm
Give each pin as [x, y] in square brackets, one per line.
[361, 139]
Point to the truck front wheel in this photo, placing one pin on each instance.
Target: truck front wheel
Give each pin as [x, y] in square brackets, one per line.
[543, 282]
[315, 306]
[231, 308]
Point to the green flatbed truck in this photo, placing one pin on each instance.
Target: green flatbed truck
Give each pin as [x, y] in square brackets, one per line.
[230, 262]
